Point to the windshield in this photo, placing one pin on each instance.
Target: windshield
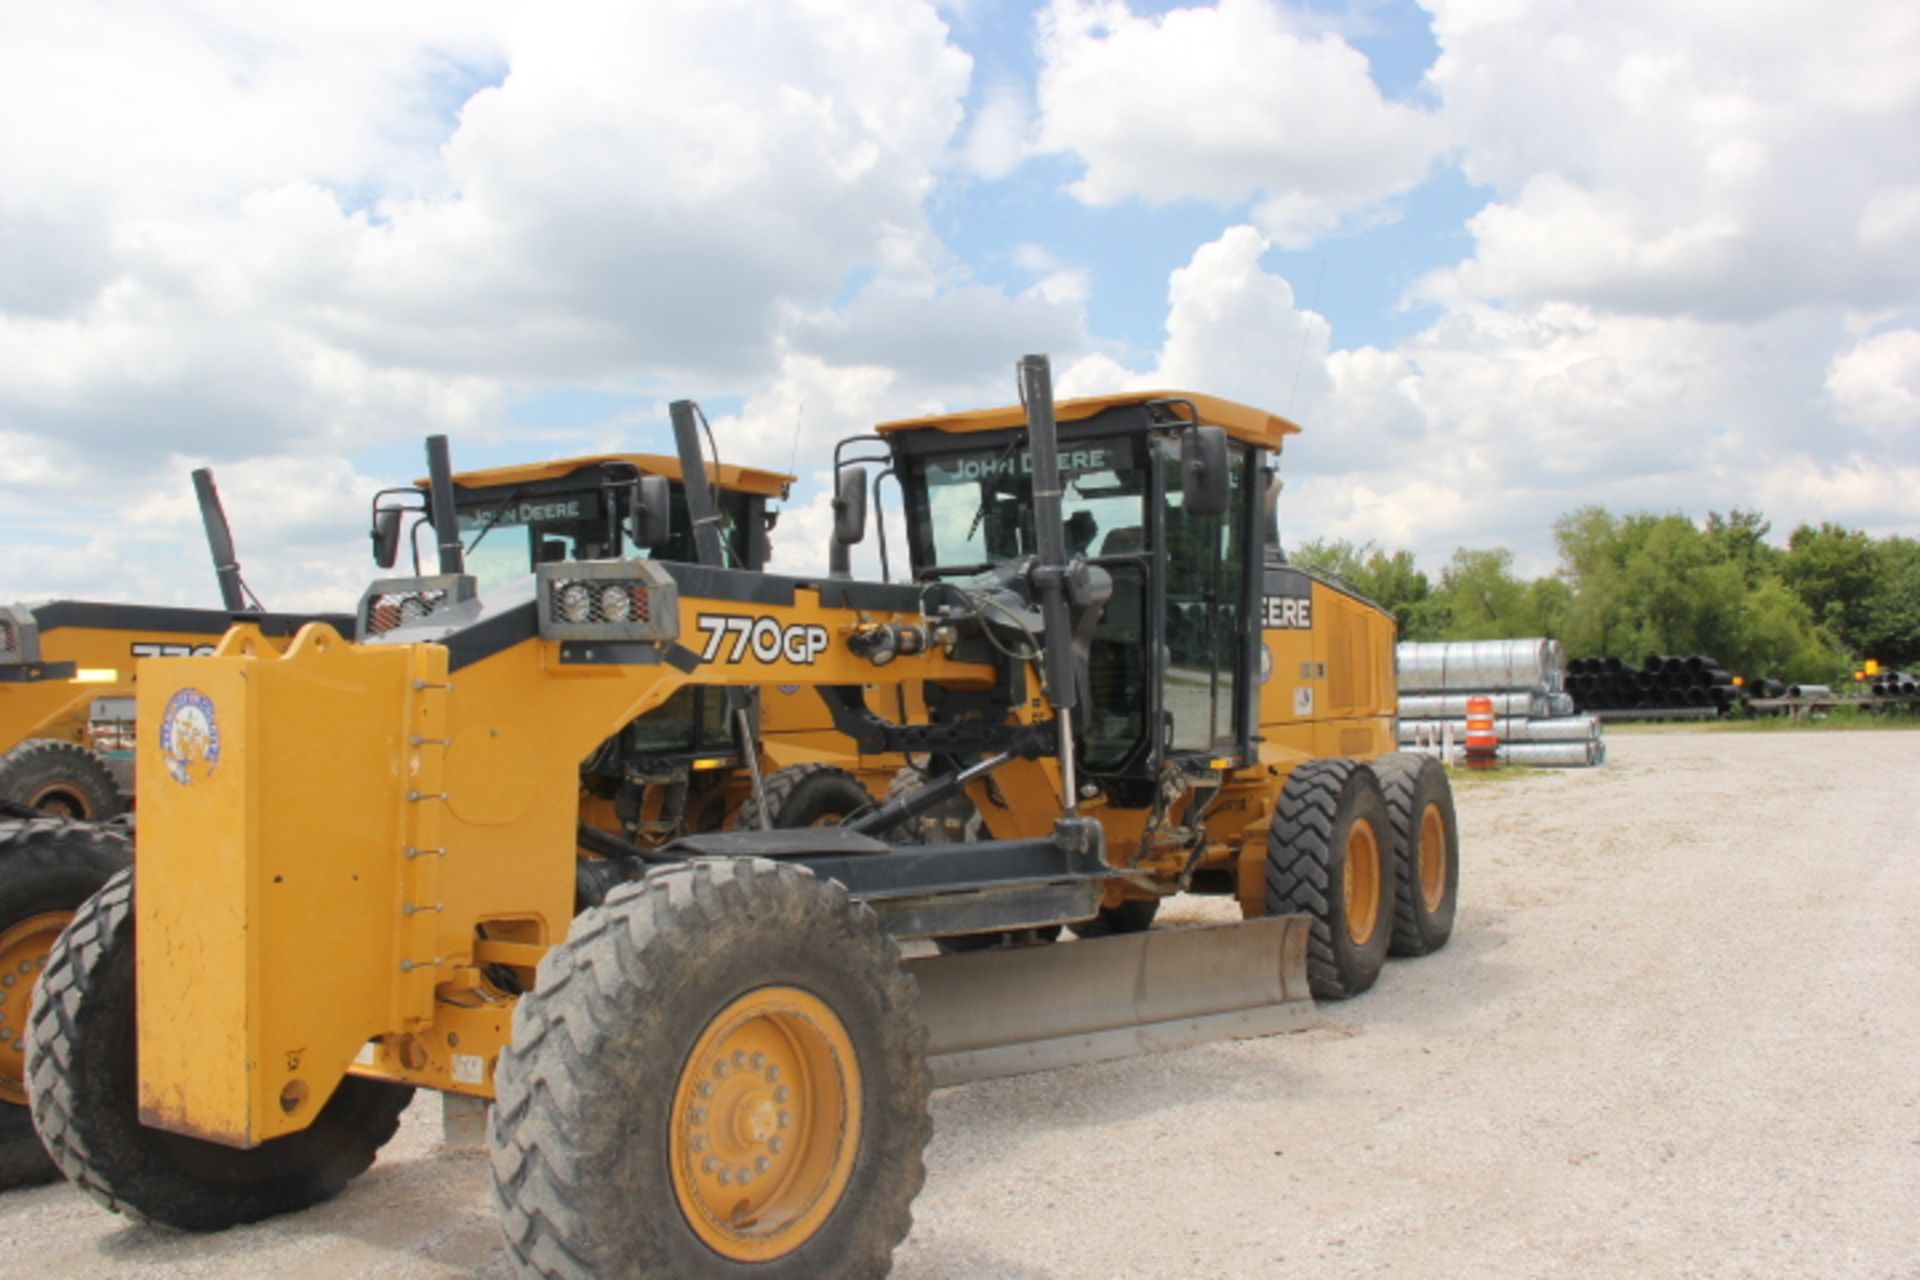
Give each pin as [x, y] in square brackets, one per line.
[507, 533]
[976, 508]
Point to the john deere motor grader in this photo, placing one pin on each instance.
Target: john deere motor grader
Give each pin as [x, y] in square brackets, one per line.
[678, 770]
[365, 854]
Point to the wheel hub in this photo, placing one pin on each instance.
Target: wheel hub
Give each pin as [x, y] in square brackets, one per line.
[1433, 858]
[23, 954]
[766, 1124]
[1362, 883]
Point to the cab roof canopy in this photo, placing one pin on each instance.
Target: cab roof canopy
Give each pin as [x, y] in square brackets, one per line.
[770, 484]
[1242, 422]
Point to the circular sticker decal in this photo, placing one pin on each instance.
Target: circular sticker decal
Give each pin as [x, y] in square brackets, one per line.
[190, 736]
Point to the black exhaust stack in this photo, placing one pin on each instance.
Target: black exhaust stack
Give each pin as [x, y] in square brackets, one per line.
[1049, 574]
[693, 477]
[446, 525]
[226, 566]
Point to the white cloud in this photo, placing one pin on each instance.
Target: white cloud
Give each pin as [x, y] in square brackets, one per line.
[1230, 103]
[1707, 159]
[314, 224]
[1877, 383]
[1000, 137]
[1483, 428]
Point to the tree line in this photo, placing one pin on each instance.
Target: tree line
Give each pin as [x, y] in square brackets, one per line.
[1632, 585]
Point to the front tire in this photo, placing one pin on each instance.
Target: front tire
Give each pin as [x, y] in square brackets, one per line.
[721, 1072]
[47, 869]
[84, 1082]
[1329, 857]
[1426, 846]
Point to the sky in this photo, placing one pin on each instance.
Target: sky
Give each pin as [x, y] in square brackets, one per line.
[1499, 258]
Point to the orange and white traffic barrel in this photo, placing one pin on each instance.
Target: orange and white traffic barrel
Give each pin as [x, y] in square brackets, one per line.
[1483, 742]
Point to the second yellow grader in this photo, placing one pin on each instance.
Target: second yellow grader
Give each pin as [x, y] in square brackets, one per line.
[709, 1057]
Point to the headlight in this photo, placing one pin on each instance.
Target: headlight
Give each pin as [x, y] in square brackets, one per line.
[383, 611]
[616, 603]
[607, 600]
[574, 603]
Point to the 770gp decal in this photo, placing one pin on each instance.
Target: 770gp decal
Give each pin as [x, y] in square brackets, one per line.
[763, 639]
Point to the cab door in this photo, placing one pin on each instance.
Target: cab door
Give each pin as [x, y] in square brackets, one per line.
[1201, 590]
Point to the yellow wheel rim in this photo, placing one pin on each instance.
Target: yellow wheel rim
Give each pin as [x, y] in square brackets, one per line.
[23, 954]
[766, 1123]
[1433, 858]
[60, 802]
[1363, 883]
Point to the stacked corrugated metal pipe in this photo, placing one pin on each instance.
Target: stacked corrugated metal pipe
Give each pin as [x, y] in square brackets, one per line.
[1663, 685]
[1534, 716]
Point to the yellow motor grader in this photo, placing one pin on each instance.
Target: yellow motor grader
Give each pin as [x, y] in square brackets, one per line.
[369, 854]
[679, 769]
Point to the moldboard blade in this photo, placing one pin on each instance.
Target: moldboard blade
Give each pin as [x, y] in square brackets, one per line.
[1023, 1009]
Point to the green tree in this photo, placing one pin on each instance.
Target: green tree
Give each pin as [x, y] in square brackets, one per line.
[1832, 568]
[1740, 537]
[1483, 599]
[1390, 579]
[1889, 615]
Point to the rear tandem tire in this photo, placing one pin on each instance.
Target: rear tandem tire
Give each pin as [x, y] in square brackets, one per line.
[807, 795]
[63, 778]
[84, 1083]
[1329, 857]
[715, 1019]
[1426, 846]
[47, 869]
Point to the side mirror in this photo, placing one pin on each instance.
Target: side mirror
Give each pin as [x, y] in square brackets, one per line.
[1203, 471]
[850, 507]
[652, 512]
[386, 536]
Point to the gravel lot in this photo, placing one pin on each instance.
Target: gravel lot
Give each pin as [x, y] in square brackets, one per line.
[1677, 1033]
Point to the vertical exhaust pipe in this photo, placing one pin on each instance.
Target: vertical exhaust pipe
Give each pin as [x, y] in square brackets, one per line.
[693, 477]
[1050, 560]
[226, 566]
[446, 525]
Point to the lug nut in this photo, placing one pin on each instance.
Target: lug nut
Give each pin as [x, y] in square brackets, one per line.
[759, 1060]
[782, 1094]
[785, 1119]
[698, 1115]
[776, 1145]
[706, 1089]
[762, 1165]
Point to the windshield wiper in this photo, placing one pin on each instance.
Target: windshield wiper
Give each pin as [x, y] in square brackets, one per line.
[494, 517]
[988, 490]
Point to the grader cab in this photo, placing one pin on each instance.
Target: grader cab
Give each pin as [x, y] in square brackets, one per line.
[368, 853]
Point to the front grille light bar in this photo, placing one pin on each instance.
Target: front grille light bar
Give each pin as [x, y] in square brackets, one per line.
[608, 600]
[385, 610]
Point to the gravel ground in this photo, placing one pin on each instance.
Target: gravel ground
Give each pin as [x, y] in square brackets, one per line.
[1677, 1033]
